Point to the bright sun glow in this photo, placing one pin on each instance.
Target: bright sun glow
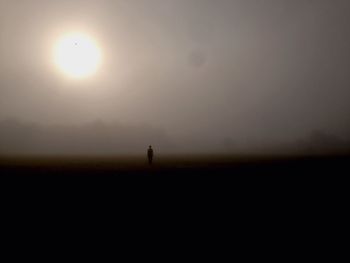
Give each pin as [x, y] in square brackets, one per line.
[77, 55]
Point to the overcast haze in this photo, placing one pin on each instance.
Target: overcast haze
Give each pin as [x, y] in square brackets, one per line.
[191, 74]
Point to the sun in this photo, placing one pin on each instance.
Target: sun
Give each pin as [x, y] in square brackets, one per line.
[77, 55]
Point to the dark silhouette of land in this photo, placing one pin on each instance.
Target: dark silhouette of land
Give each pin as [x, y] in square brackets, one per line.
[231, 177]
[189, 165]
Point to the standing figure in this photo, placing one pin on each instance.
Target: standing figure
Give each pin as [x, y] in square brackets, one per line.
[150, 154]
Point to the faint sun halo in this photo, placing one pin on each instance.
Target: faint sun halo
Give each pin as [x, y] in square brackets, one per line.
[77, 55]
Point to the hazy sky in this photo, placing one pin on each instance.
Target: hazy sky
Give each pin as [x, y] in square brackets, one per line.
[260, 69]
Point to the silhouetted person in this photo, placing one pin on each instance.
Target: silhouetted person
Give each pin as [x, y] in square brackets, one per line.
[150, 154]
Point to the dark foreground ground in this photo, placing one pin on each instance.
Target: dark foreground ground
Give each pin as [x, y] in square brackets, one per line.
[318, 179]
[182, 170]
[186, 165]
[190, 196]
[189, 165]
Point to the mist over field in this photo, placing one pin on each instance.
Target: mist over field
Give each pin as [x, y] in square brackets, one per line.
[223, 76]
[98, 138]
